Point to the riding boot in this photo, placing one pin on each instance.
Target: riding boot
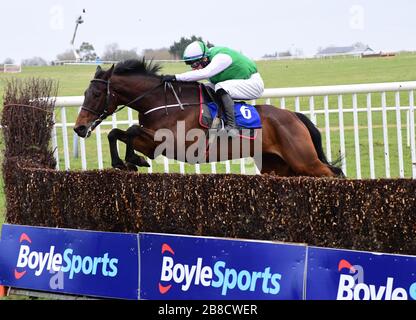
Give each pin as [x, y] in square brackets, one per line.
[228, 109]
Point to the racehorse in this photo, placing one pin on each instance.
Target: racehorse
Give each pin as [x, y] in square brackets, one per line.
[291, 145]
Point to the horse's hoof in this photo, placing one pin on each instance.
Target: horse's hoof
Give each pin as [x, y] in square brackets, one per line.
[138, 161]
[120, 167]
[131, 167]
[145, 164]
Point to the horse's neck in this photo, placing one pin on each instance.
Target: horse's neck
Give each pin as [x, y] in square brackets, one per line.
[160, 95]
[162, 109]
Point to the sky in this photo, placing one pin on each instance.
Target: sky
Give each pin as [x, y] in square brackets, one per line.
[45, 28]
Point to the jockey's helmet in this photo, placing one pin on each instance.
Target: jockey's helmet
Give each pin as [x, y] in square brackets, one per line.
[195, 52]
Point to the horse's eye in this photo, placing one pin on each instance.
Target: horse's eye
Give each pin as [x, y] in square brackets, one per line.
[96, 94]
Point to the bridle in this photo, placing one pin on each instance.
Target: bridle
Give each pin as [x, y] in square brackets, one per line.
[107, 102]
[106, 113]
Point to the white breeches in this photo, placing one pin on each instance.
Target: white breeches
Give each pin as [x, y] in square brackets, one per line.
[249, 89]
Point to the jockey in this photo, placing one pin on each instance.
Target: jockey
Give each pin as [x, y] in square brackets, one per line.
[232, 75]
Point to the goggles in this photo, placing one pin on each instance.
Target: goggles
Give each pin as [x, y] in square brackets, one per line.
[194, 63]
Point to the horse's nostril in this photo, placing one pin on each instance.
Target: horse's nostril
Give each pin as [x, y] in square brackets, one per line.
[81, 131]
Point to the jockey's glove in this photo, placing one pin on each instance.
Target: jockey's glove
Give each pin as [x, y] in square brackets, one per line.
[168, 78]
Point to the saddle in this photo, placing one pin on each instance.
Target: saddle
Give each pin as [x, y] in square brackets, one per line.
[246, 116]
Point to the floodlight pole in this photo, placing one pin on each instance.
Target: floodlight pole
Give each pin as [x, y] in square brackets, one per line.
[78, 58]
[77, 22]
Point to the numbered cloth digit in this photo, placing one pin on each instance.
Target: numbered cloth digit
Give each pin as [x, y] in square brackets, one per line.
[246, 112]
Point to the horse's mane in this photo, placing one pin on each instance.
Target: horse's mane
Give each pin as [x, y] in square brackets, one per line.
[134, 66]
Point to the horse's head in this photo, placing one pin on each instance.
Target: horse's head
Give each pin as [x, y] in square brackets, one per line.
[99, 102]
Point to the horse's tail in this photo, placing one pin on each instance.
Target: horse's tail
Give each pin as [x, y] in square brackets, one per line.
[317, 142]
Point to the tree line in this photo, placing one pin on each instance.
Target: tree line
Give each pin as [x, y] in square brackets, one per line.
[113, 52]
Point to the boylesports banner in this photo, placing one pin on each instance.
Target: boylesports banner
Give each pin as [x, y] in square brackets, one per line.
[173, 267]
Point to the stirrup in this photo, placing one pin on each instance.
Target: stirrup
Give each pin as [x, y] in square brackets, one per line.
[216, 124]
[231, 131]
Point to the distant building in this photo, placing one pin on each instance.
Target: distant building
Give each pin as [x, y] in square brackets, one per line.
[357, 49]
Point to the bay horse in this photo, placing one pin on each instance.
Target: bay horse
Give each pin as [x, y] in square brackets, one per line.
[290, 143]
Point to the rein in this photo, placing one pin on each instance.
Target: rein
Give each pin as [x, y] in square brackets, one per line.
[105, 114]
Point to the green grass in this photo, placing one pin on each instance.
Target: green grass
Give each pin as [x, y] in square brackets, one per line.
[73, 80]
[294, 73]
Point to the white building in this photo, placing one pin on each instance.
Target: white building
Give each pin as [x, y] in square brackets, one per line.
[357, 49]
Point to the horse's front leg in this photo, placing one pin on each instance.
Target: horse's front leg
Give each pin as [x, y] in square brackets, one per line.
[132, 160]
[138, 138]
[113, 136]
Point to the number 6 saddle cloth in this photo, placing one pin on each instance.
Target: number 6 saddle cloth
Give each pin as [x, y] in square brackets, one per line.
[247, 118]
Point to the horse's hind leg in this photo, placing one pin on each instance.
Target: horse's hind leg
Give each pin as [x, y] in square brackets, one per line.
[302, 158]
[295, 146]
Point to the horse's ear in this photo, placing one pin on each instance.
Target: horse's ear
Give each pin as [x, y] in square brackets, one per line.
[109, 73]
[97, 72]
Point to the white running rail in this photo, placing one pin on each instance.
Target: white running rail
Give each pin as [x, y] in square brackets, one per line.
[371, 125]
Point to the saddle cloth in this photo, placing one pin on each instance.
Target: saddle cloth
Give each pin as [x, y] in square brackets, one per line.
[246, 116]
